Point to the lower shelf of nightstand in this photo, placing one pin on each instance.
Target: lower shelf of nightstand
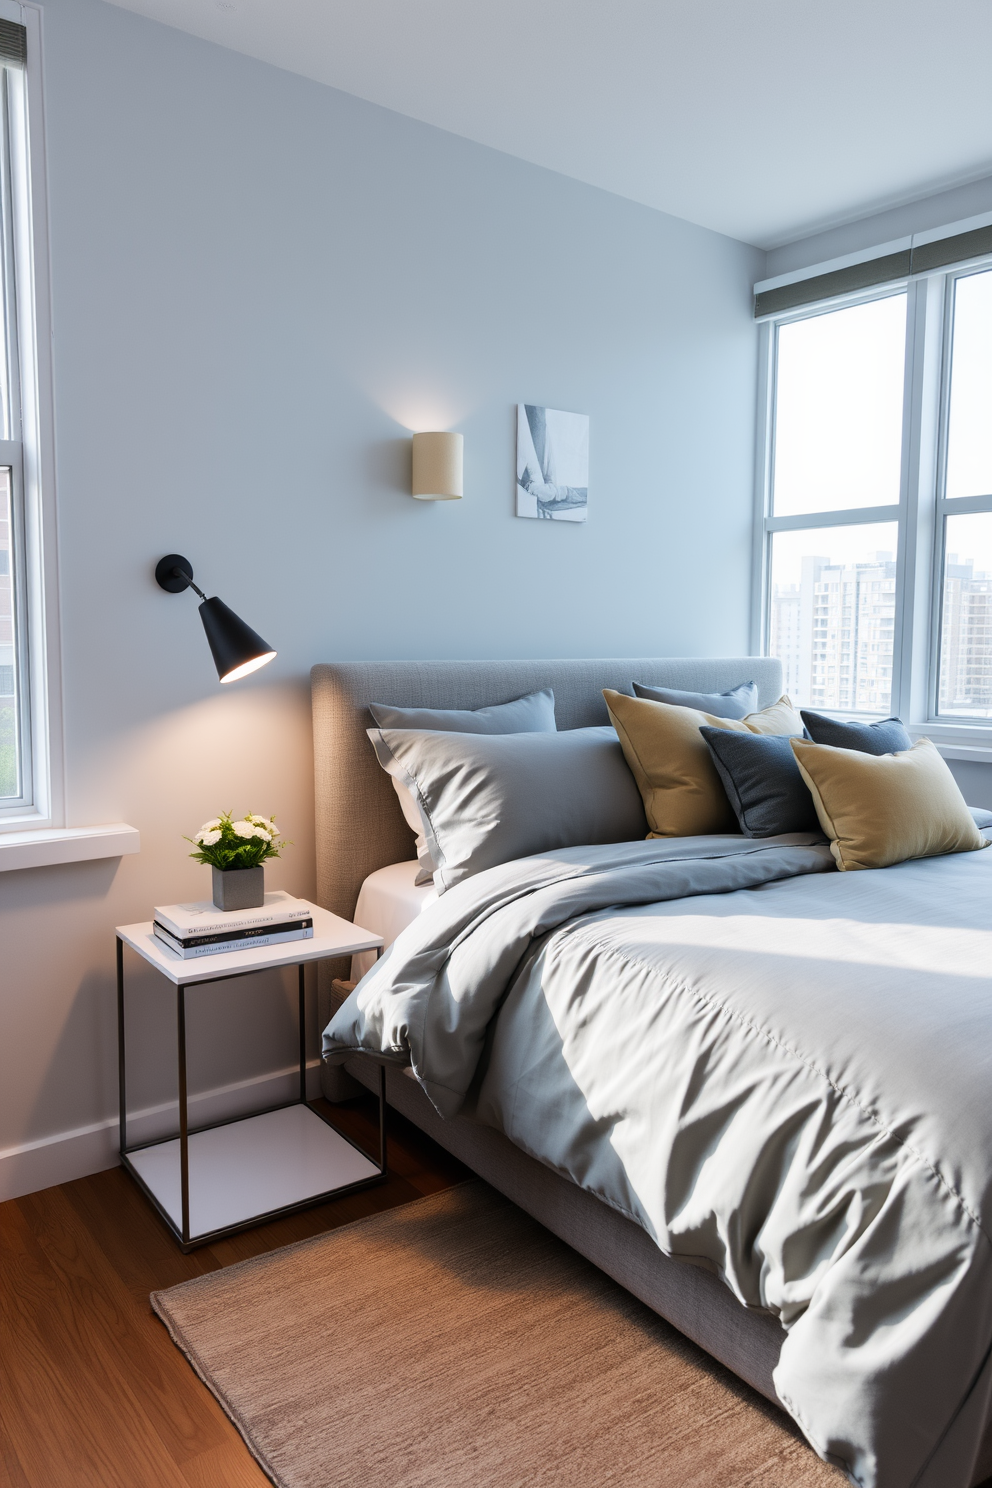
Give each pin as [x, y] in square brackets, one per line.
[252, 1167]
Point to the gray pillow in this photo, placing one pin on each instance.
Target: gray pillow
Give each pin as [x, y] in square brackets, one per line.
[489, 798]
[763, 782]
[533, 714]
[737, 703]
[887, 737]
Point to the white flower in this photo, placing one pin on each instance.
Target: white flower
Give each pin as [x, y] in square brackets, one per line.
[260, 821]
[210, 826]
[243, 828]
[209, 838]
[260, 832]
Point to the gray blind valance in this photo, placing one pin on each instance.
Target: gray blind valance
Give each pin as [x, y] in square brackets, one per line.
[892, 266]
[13, 43]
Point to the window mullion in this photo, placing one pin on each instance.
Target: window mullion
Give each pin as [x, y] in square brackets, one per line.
[913, 425]
[855, 517]
[762, 490]
[943, 337]
[948, 505]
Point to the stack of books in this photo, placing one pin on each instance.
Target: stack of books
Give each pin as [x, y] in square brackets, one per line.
[204, 930]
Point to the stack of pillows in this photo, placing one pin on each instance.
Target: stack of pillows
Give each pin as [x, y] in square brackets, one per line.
[486, 786]
[708, 763]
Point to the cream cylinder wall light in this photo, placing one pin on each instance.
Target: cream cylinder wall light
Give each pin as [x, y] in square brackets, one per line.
[437, 467]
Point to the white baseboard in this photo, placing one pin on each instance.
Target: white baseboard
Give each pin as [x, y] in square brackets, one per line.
[90, 1149]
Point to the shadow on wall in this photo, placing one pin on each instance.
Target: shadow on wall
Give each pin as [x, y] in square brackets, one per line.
[388, 467]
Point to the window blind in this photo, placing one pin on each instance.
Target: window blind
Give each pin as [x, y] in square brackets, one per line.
[13, 43]
[922, 259]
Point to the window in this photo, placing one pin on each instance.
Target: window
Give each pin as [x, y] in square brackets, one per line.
[837, 423]
[875, 536]
[29, 681]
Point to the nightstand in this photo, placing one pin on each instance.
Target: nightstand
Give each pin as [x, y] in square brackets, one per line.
[213, 1180]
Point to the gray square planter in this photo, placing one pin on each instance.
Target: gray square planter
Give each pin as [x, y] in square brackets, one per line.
[239, 888]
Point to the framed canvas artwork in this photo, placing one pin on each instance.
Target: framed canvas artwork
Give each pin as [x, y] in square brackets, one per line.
[552, 464]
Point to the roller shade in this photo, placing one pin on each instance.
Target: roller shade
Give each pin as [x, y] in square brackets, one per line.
[921, 259]
[944, 251]
[13, 44]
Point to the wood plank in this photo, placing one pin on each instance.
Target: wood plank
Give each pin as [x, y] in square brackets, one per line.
[12, 1474]
[123, 1323]
[69, 1408]
[225, 1468]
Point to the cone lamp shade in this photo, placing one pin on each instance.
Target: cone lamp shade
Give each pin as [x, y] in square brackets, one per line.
[437, 467]
[235, 647]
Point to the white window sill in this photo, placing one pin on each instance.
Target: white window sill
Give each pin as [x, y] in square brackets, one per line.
[45, 846]
[957, 741]
[982, 755]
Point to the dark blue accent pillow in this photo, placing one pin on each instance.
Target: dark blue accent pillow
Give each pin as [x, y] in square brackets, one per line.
[887, 737]
[737, 702]
[763, 782]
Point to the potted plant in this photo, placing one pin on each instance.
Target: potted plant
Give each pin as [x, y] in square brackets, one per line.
[235, 852]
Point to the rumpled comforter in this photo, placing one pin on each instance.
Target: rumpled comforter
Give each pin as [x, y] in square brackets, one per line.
[780, 1071]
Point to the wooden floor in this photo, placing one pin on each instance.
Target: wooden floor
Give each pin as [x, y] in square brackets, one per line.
[93, 1394]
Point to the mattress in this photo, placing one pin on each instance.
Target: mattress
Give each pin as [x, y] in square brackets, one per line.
[388, 901]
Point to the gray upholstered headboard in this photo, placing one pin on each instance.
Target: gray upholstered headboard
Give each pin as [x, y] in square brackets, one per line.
[359, 826]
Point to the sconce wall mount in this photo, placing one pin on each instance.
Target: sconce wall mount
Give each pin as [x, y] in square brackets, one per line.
[235, 647]
[437, 467]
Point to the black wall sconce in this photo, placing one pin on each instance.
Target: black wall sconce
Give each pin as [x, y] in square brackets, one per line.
[236, 648]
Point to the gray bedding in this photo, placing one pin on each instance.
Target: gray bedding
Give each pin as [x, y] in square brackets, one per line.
[779, 1071]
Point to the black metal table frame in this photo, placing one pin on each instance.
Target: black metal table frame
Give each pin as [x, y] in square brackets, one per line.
[182, 1234]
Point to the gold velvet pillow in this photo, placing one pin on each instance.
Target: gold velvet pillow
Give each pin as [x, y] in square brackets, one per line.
[673, 767]
[879, 809]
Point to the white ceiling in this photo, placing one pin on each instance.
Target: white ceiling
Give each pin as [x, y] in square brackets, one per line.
[764, 119]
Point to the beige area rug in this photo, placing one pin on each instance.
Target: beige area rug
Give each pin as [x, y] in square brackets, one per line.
[455, 1343]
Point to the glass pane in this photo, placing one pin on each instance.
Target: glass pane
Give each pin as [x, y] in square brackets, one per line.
[966, 622]
[833, 612]
[9, 770]
[969, 433]
[838, 408]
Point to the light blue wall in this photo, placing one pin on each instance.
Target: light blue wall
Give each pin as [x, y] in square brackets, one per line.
[259, 286]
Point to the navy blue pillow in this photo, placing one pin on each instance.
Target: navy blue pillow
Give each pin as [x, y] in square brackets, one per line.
[737, 702]
[762, 781]
[887, 737]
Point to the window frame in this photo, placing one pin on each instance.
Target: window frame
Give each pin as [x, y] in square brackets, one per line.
[945, 506]
[920, 511]
[31, 456]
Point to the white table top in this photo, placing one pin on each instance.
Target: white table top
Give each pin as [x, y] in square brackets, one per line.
[332, 936]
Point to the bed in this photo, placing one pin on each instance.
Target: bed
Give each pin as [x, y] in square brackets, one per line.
[716, 905]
